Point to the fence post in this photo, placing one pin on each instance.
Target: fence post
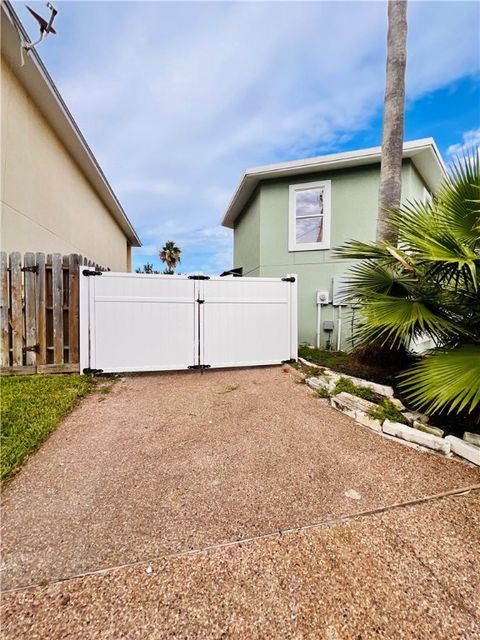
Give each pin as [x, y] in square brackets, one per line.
[57, 303]
[16, 309]
[4, 339]
[40, 309]
[73, 304]
[30, 319]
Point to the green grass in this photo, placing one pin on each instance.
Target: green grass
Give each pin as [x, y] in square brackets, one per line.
[386, 410]
[329, 359]
[344, 384]
[31, 408]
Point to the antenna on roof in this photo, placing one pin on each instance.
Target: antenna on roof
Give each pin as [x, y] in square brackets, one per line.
[45, 27]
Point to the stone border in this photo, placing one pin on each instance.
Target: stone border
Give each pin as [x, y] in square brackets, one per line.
[417, 432]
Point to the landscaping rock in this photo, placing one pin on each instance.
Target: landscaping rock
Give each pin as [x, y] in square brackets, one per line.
[415, 416]
[428, 428]
[356, 408]
[464, 449]
[308, 364]
[398, 404]
[367, 421]
[380, 389]
[349, 403]
[418, 437]
[320, 383]
[472, 438]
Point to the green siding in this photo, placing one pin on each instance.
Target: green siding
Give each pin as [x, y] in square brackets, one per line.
[261, 236]
[246, 239]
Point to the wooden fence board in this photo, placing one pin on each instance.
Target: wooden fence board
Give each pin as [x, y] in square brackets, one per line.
[29, 279]
[40, 307]
[73, 308]
[4, 326]
[57, 303]
[16, 308]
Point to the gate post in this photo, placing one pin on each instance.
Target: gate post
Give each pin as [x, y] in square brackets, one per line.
[293, 312]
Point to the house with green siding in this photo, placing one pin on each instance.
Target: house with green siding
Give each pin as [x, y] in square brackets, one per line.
[287, 218]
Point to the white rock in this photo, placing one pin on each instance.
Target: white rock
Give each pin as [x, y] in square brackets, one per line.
[415, 416]
[364, 419]
[397, 403]
[464, 449]
[149, 570]
[351, 493]
[308, 364]
[347, 402]
[356, 408]
[320, 383]
[381, 389]
[428, 428]
[472, 438]
[414, 435]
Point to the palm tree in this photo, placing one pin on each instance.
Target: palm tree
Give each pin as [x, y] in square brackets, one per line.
[428, 285]
[170, 255]
[393, 118]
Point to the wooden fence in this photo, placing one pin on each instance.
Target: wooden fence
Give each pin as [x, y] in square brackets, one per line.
[39, 312]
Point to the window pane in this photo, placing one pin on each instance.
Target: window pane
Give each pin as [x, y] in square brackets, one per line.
[309, 230]
[309, 202]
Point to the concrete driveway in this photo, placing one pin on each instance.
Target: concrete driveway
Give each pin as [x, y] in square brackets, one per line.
[167, 464]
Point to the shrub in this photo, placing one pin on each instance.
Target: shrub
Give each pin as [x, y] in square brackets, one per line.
[345, 384]
[386, 410]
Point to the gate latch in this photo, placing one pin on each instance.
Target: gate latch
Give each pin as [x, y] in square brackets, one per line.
[35, 348]
[199, 277]
[290, 279]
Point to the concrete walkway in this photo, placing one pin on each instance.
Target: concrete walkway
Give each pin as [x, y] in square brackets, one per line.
[169, 463]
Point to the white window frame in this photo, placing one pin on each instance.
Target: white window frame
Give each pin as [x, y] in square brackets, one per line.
[309, 246]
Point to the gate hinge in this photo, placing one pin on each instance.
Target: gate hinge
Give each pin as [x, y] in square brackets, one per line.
[86, 272]
[199, 366]
[290, 361]
[199, 277]
[32, 269]
[92, 372]
[290, 279]
[35, 348]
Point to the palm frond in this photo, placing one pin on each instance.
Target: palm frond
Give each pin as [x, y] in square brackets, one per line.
[447, 380]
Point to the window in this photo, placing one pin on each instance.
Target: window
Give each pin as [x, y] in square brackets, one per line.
[309, 216]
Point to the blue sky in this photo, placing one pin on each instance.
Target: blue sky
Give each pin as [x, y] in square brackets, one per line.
[176, 99]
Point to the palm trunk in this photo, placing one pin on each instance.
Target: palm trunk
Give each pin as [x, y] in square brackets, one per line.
[393, 118]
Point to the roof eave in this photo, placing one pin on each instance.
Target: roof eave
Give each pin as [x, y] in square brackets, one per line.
[423, 153]
[37, 81]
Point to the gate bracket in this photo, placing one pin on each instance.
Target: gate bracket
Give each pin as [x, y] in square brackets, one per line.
[86, 272]
[199, 277]
[291, 279]
[92, 372]
[199, 366]
[33, 269]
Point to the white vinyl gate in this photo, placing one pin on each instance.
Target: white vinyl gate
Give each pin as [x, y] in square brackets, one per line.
[143, 322]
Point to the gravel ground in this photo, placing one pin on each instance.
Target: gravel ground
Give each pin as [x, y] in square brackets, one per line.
[168, 463]
[409, 573]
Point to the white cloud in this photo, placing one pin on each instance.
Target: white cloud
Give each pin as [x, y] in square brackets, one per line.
[470, 142]
[177, 99]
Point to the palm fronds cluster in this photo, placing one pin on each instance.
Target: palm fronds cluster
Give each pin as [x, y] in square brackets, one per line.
[427, 285]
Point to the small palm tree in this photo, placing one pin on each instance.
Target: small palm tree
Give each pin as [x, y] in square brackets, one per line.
[170, 255]
[428, 285]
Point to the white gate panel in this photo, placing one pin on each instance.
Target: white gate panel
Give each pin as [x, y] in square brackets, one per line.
[139, 322]
[247, 321]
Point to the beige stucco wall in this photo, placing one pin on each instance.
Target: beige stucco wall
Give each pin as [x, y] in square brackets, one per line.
[47, 204]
